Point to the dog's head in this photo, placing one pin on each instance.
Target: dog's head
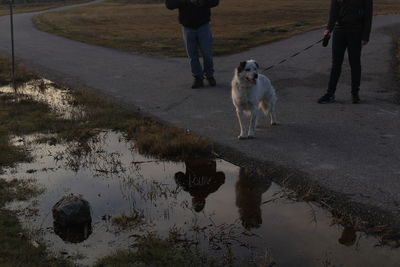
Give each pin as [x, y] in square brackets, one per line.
[248, 70]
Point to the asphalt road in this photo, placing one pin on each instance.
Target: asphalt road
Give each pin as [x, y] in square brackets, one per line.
[353, 150]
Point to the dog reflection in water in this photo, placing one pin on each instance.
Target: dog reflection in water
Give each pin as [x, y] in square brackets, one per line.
[249, 190]
[200, 180]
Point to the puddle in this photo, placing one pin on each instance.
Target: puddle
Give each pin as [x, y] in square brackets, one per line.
[215, 204]
[45, 91]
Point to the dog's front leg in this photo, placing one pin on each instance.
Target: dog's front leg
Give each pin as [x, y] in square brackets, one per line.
[253, 121]
[240, 117]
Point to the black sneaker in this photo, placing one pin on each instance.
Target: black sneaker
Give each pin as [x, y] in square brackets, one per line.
[197, 83]
[211, 81]
[327, 98]
[355, 98]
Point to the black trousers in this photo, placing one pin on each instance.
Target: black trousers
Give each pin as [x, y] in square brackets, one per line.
[343, 39]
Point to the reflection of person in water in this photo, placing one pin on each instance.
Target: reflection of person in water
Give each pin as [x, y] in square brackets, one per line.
[200, 180]
[249, 190]
[348, 237]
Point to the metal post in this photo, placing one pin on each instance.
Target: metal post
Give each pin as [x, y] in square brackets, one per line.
[12, 44]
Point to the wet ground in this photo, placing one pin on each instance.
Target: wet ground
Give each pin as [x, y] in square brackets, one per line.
[215, 206]
[42, 90]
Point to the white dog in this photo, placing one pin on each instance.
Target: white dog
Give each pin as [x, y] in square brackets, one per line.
[251, 92]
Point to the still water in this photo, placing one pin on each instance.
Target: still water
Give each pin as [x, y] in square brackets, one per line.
[212, 202]
[220, 208]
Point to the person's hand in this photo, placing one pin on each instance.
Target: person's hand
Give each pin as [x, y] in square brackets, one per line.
[327, 37]
[364, 42]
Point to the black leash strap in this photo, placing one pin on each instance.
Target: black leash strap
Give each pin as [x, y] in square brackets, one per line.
[292, 56]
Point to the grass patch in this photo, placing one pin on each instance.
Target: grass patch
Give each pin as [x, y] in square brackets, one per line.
[15, 247]
[151, 138]
[21, 74]
[154, 251]
[149, 28]
[20, 115]
[16, 190]
[169, 143]
[32, 7]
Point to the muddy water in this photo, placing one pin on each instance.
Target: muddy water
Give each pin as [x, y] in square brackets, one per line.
[215, 204]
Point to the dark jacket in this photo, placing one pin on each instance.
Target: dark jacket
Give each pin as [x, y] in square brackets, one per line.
[351, 14]
[190, 15]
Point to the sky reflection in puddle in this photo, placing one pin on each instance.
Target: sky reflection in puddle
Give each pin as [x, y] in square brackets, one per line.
[221, 205]
[45, 91]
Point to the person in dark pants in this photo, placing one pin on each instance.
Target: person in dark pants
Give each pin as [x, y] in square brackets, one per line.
[350, 21]
[195, 16]
[249, 191]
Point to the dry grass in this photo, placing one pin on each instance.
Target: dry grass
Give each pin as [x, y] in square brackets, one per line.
[152, 29]
[32, 7]
[154, 251]
[21, 74]
[20, 115]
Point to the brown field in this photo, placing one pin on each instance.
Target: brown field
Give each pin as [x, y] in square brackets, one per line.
[154, 30]
[22, 8]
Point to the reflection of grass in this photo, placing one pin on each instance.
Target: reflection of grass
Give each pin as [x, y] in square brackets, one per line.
[133, 220]
[153, 251]
[154, 30]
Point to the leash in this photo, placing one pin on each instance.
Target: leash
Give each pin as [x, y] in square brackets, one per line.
[292, 56]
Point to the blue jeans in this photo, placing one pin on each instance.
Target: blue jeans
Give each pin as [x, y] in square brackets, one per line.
[195, 40]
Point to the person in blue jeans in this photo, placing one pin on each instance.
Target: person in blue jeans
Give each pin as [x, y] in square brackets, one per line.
[195, 17]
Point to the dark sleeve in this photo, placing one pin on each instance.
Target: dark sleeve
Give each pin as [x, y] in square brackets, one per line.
[333, 15]
[367, 19]
[213, 3]
[172, 4]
